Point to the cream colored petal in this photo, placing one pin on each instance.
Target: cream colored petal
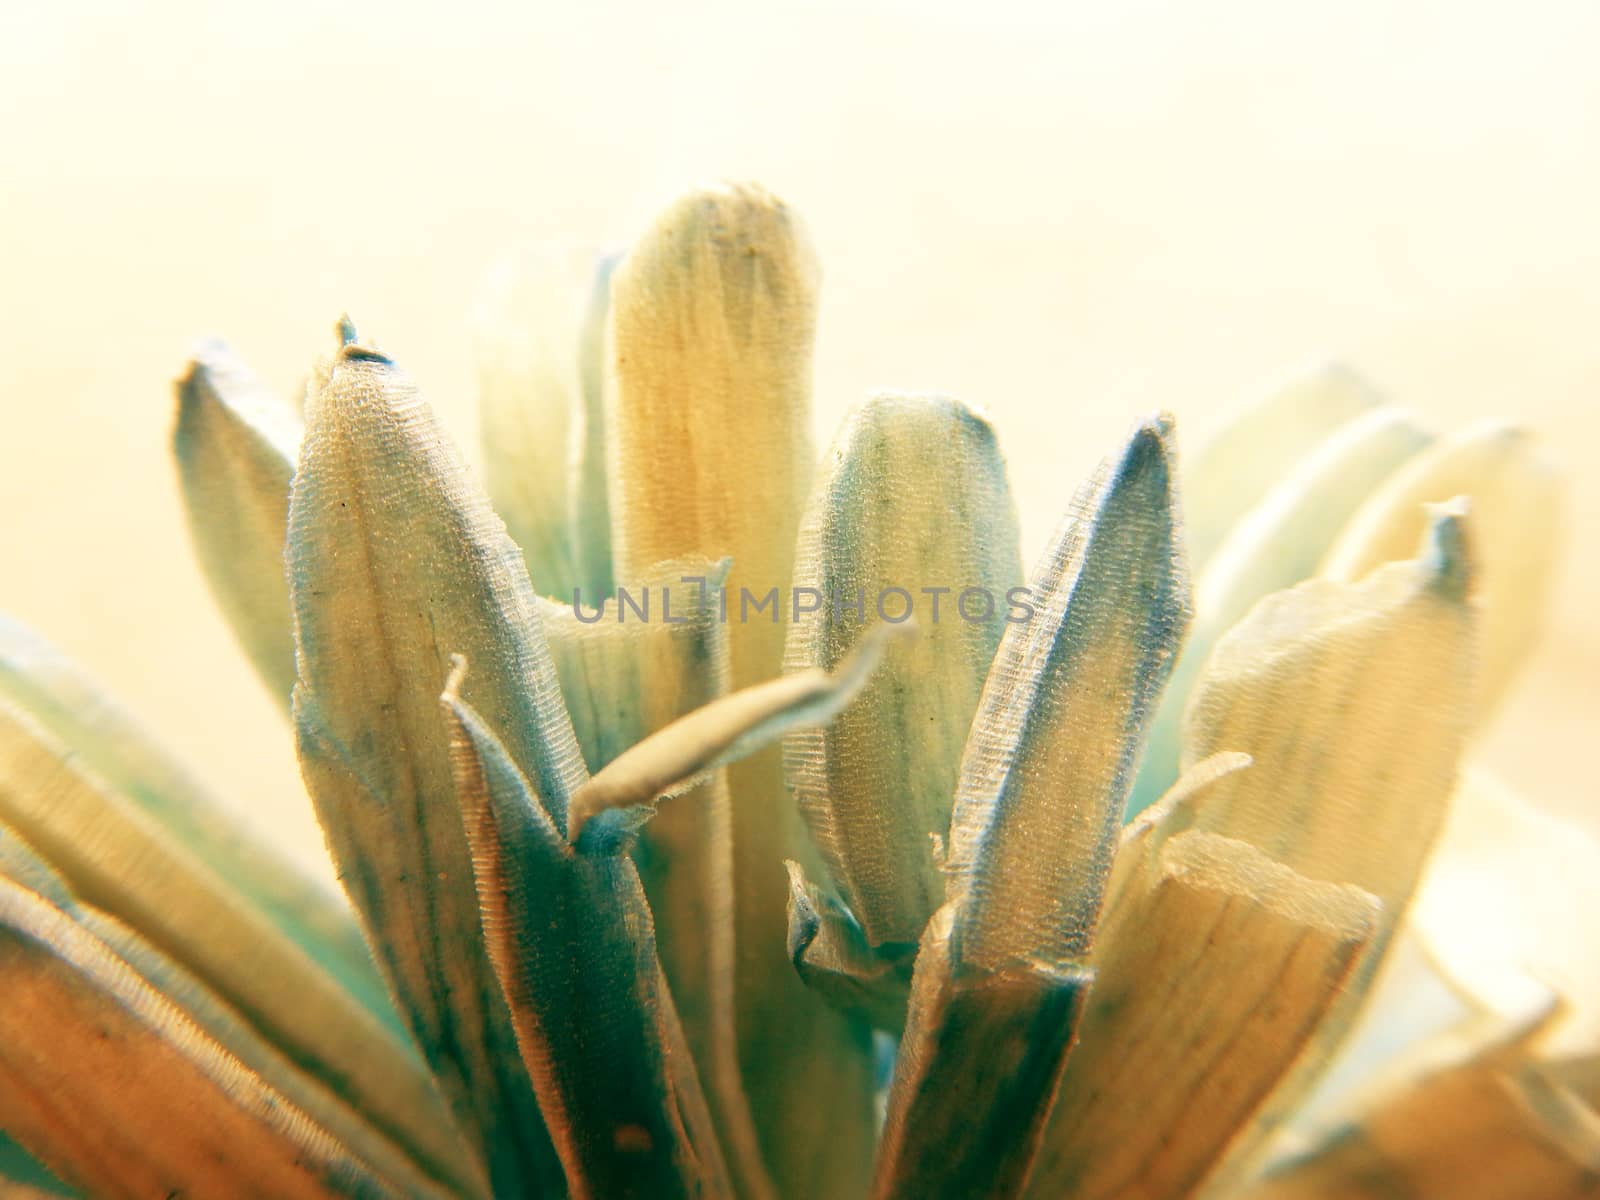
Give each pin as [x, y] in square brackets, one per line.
[712, 329]
[539, 342]
[79, 1022]
[1264, 444]
[1510, 911]
[236, 444]
[1353, 701]
[1213, 967]
[1517, 499]
[912, 499]
[116, 858]
[623, 679]
[72, 709]
[572, 942]
[1063, 715]
[396, 561]
[1276, 545]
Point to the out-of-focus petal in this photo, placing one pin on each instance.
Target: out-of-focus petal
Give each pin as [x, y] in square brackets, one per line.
[540, 347]
[236, 444]
[1277, 544]
[1264, 444]
[1510, 911]
[1517, 498]
[78, 1021]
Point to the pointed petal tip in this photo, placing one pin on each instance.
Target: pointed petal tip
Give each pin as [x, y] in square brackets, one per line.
[1447, 550]
[1151, 446]
[1156, 433]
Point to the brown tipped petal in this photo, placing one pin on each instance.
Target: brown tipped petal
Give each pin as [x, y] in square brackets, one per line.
[1002, 975]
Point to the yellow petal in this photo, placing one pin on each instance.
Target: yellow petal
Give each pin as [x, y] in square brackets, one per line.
[722, 731]
[713, 321]
[1213, 967]
[1516, 497]
[1351, 699]
[236, 445]
[395, 562]
[913, 500]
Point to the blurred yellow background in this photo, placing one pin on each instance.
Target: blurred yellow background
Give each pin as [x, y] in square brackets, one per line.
[1070, 213]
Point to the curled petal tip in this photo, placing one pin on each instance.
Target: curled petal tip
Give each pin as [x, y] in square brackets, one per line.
[363, 352]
